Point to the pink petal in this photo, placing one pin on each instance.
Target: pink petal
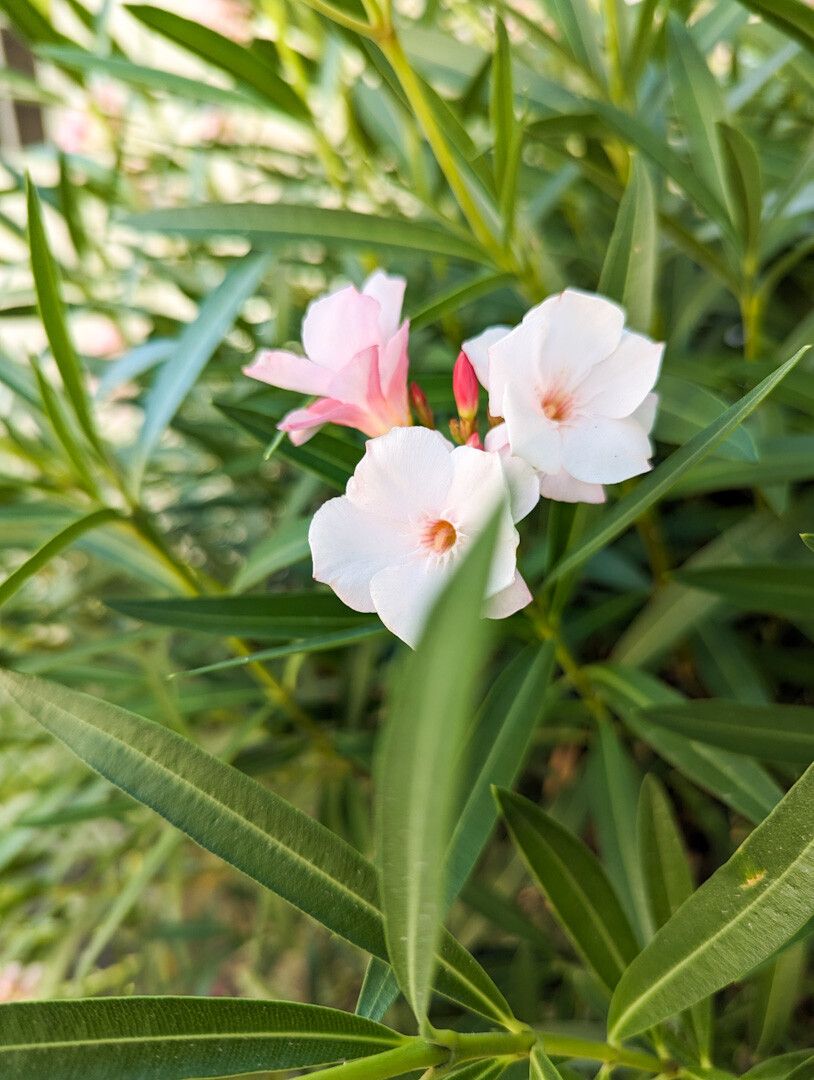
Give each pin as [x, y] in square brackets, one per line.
[508, 600]
[339, 326]
[404, 475]
[350, 546]
[301, 424]
[393, 364]
[288, 371]
[601, 451]
[565, 488]
[616, 387]
[389, 292]
[358, 383]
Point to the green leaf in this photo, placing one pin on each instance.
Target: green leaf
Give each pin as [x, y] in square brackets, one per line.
[735, 779]
[614, 784]
[501, 103]
[767, 732]
[49, 305]
[232, 816]
[268, 617]
[418, 773]
[27, 18]
[666, 871]
[787, 591]
[285, 547]
[380, 989]
[629, 270]
[246, 66]
[51, 549]
[699, 104]
[64, 430]
[195, 347]
[541, 1067]
[744, 183]
[456, 297]
[146, 78]
[325, 455]
[649, 490]
[790, 16]
[808, 540]
[577, 23]
[267, 225]
[575, 885]
[741, 915]
[171, 1038]
[495, 753]
[686, 408]
[778, 992]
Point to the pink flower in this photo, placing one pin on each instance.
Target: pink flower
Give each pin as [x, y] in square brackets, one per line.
[355, 362]
[18, 983]
[465, 388]
[411, 510]
[573, 387]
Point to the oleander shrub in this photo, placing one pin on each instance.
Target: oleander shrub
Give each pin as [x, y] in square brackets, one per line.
[406, 559]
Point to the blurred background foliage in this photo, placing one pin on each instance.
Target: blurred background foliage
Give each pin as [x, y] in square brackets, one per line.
[202, 171]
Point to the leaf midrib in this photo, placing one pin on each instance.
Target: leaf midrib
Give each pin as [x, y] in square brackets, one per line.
[654, 987]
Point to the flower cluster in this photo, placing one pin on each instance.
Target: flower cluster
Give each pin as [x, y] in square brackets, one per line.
[570, 409]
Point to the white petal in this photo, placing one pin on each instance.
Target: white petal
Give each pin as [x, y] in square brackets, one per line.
[601, 451]
[339, 326]
[477, 351]
[566, 488]
[523, 484]
[403, 594]
[511, 599]
[389, 292]
[497, 440]
[645, 415]
[478, 488]
[515, 360]
[532, 436]
[582, 330]
[404, 474]
[349, 546]
[616, 387]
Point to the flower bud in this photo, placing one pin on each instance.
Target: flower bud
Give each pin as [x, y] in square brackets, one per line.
[474, 441]
[465, 388]
[421, 406]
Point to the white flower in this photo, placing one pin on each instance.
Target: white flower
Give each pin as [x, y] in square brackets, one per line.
[573, 387]
[411, 510]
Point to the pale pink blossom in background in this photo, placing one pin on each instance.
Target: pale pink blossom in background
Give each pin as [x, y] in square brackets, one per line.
[73, 130]
[97, 336]
[18, 983]
[573, 389]
[411, 510]
[230, 18]
[355, 362]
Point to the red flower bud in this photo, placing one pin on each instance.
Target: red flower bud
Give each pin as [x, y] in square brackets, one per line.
[474, 440]
[421, 406]
[465, 388]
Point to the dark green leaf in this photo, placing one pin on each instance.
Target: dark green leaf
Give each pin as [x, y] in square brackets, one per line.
[787, 591]
[629, 270]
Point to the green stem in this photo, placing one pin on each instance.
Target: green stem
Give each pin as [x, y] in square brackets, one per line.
[335, 14]
[556, 1045]
[412, 1056]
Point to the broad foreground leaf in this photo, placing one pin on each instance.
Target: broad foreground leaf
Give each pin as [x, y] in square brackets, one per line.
[737, 919]
[246, 825]
[419, 770]
[171, 1038]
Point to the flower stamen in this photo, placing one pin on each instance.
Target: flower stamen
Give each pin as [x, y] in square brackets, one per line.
[556, 406]
[440, 536]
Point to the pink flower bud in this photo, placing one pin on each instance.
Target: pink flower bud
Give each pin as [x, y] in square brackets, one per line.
[474, 440]
[421, 406]
[465, 388]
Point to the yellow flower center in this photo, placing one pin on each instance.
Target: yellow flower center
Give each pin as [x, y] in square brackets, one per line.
[556, 406]
[440, 536]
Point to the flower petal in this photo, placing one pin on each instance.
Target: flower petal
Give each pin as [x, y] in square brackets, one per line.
[301, 424]
[515, 359]
[350, 546]
[393, 363]
[508, 600]
[645, 415]
[566, 488]
[616, 387]
[403, 594]
[601, 451]
[477, 351]
[532, 436]
[288, 371]
[339, 326]
[389, 292]
[404, 475]
[582, 330]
